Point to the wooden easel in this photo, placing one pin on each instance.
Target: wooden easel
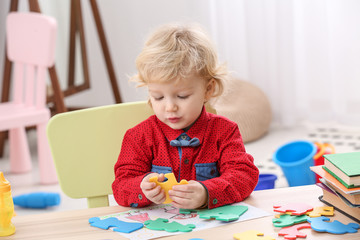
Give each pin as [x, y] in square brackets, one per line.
[76, 26]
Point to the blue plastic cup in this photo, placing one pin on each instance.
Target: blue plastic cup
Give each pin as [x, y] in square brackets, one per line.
[295, 159]
[266, 181]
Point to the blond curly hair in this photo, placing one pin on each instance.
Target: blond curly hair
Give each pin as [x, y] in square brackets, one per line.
[174, 51]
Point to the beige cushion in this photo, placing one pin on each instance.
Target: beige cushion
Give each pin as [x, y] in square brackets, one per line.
[248, 106]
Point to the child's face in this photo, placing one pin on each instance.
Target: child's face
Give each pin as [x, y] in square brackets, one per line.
[179, 105]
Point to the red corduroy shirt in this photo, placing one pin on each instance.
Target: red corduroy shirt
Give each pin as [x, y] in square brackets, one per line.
[220, 162]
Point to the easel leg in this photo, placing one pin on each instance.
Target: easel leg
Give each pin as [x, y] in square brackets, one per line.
[106, 52]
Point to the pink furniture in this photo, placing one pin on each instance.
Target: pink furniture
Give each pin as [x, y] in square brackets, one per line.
[31, 47]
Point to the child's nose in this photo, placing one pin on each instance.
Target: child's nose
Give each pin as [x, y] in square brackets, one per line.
[171, 106]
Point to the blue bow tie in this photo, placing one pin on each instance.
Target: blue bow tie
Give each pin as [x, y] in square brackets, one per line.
[184, 141]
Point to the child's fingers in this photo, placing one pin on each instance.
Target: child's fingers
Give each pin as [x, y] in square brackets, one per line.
[145, 185]
[149, 185]
[157, 195]
[180, 194]
[192, 186]
[161, 177]
[154, 192]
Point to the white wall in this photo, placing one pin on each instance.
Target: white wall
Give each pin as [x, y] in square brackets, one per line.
[304, 54]
[126, 25]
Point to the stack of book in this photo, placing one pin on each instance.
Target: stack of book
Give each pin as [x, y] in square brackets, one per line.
[340, 182]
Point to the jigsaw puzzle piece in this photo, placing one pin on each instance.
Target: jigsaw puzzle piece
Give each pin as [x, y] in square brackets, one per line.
[294, 208]
[224, 213]
[293, 231]
[320, 224]
[167, 185]
[162, 224]
[286, 220]
[251, 235]
[321, 211]
[120, 226]
[189, 211]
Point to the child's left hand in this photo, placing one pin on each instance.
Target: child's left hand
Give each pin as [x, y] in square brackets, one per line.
[188, 196]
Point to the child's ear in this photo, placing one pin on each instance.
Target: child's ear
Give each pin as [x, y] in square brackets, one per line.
[210, 88]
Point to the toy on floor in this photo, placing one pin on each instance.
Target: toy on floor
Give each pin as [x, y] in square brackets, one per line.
[286, 220]
[251, 235]
[163, 224]
[294, 208]
[293, 231]
[224, 213]
[6, 208]
[321, 211]
[171, 181]
[319, 224]
[37, 200]
[120, 226]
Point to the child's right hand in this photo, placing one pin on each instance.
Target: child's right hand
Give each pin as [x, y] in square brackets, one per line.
[151, 191]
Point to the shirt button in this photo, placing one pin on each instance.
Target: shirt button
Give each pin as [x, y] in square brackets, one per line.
[215, 201]
[183, 137]
[186, 161]
[140, 196]
[212, 172]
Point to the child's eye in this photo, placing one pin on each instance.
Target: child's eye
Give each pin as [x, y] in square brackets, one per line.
[158, 98]
[183, 97]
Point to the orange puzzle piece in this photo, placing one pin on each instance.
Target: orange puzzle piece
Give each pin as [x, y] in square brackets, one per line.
[294, 208]
[251, 235]
[321, 211]
[171, 181]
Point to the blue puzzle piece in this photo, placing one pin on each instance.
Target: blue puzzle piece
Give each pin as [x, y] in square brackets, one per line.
[120, 226]
[335, 227]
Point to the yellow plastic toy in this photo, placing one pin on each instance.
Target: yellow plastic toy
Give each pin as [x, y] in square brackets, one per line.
[171, 181]
[6, 208]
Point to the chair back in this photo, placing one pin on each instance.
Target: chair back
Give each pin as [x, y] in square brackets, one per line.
[85, 145]
[31, 39]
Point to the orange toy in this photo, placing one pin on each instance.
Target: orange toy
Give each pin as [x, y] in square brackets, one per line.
[322, 148]
[171, 181]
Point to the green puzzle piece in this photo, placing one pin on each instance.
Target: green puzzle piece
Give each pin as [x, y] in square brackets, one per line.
[163, 224]
[286, 220]
[224, 213]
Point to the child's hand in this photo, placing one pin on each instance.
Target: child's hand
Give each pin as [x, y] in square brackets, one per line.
[151, 191]
[188, 196]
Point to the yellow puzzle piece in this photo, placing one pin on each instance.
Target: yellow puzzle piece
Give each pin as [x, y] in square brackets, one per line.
[252, 235]
[321, 211]
[171, 181]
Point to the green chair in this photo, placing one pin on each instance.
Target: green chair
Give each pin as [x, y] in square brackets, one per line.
[85, 145]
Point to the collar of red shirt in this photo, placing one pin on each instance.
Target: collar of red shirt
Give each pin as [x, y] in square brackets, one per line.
[197, 129]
